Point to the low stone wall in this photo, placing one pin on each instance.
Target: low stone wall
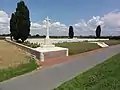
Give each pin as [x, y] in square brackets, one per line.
[40, 55]
[26, 48]
[2, 38]
[41, 40]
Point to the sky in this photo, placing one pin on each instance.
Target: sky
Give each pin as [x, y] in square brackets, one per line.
[83, 15]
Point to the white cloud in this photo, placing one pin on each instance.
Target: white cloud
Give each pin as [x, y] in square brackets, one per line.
[3, 17]
[36, 28]
[35, 25]
[56, 28]
[4, 22]
[110, 25]
[112, 20]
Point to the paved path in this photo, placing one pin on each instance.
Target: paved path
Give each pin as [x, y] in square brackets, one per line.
[48, 78]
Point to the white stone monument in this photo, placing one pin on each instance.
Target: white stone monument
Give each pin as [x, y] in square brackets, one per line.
[47, 40]
[48, 50]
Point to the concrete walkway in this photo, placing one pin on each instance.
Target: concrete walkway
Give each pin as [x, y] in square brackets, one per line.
[51, 77]
[101, 44]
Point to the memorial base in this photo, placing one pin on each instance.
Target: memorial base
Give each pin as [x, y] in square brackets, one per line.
[51, 52]
[47, 46]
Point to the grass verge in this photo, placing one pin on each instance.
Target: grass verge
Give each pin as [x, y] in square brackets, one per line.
[105, 76]
[78, 47]
[10, 72]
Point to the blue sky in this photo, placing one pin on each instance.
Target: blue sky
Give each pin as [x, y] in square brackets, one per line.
[84, 15]
[66, 11]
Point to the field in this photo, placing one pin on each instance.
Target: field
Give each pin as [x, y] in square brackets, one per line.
[112, 42]
[78, 47]
[14, 61]
[105, 76]
[10, 55]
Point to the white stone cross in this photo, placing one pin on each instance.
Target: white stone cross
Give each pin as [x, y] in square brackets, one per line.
[47, 26]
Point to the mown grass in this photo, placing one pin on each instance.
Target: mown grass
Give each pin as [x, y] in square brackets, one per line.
[112, 42]
[78, 47]
[10, 72]
[105, 76]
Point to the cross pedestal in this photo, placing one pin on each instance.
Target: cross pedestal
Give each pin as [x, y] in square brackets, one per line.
[47, 40]
[48, 50]
[47, 44]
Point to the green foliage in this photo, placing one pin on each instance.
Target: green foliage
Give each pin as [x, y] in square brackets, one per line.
[32, 45]
[10, 72]
[98, 31]
[20, 22]
[105, 76]
[71, 32]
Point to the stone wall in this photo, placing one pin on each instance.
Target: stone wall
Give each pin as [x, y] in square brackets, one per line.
[40, 55]
[40, 40]
[26, 48]
[2, 37]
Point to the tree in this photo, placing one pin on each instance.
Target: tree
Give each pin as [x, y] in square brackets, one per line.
[13, 28]
[37, 35]
[98, 31]
[20, 22]
[71, 32]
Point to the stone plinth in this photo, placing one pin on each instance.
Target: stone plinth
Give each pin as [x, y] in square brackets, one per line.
[47, 46]
[52, 52]
[47, 43]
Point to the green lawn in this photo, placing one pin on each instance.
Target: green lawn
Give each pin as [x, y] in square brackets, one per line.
[10, 72]
[105, 76]
[112, 42]
[78, 47]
